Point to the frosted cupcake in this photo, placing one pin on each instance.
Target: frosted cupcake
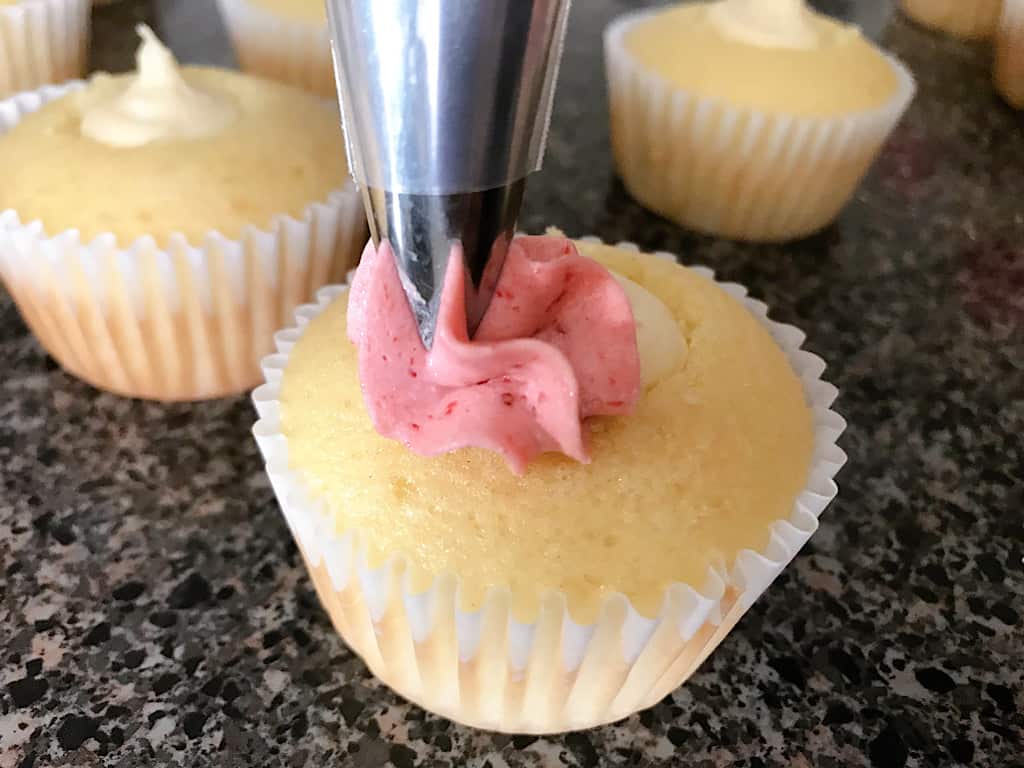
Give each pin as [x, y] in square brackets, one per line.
[552, 526]
[748, 119]
[1009, 65]
[216, 203]
[285, 40]
[41, 42]
[968, 19]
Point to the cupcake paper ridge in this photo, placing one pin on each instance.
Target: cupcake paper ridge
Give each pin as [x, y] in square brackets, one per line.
[282, 225]
[772, 176]
[42, 41]
[700, 614]
[288, 50]
[176, 322]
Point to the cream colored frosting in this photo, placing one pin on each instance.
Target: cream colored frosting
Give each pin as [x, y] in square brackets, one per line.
[157, 104]
[659, 340]
[768, 23]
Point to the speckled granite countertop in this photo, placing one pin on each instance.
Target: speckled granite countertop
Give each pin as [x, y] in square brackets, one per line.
[153, 610]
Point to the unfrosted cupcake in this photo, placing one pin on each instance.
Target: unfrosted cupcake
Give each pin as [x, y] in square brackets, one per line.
[747, 119]
[156, 227]
[1009, 65]
[286, 40]
[968, 19]
[550, 527]
[41, 42]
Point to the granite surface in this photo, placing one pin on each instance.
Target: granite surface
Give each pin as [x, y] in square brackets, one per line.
[154, 611]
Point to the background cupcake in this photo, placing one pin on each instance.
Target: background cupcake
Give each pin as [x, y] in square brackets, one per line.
[168, 278]
[753, 121]
[286, 40]
[968, 19]
[41, 42]
[576, 594]
[1009, 65]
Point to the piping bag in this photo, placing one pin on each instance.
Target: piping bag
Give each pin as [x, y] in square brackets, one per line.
[445, 106]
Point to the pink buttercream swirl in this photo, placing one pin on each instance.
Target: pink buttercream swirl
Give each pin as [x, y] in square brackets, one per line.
[557, 345]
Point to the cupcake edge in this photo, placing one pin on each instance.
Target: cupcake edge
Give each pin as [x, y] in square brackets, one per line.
[735, 171]
[62, 25]
[290, 51]
[1008, 71]
[185, 322]
[488, 670]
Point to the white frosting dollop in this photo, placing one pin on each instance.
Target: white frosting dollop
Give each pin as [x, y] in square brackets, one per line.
[659, 340]
[156, 104]
[767, 23]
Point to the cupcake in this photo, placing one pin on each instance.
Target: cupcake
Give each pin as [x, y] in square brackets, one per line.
[749, 120]
[285, 40]
[968, 19]
[1009, 65]
[552, 526]
[41, 42]
[214, 204]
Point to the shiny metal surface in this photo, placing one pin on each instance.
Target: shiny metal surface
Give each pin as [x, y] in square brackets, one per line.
[446, 106]
[422, 229]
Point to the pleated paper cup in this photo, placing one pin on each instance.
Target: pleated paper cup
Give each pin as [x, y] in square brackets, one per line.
[185, 322]
[735, 171]
[485, 668]
[1009, 65]
[42, 42]
[272, 46]
[967, 19]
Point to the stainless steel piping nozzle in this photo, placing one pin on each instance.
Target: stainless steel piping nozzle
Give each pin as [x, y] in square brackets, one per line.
[446, 105]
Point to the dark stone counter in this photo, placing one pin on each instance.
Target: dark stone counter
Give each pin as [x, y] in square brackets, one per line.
[154, 611]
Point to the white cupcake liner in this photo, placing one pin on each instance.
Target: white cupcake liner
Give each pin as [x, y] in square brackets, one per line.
[291, 51]
[187, 322]
[42, 42]
[1009, 63]
[968, 19]
[735, 171]
[486, 669]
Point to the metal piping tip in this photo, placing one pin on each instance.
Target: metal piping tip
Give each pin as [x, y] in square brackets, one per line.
[446, 106]
[422, 231]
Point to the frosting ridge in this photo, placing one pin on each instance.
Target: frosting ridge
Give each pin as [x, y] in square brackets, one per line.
[767, 23]
[557, 345]
[153, 105]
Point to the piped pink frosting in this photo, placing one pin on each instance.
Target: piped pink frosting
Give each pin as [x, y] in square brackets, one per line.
[557, 344]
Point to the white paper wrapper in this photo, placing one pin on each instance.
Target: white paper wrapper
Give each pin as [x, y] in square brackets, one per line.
[291, 51]
[734, 171]
[969, 19]
[1009, 65]
[42, 42]
[183, 323]
[485, 668]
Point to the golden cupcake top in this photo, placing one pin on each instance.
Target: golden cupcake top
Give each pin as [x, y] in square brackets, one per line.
[312, 11]
[773, 55]
[167, 149]
[717, 449]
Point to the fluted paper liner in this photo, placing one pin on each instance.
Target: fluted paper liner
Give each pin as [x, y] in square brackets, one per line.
[42, 42]
[184, 322]
[486, 669]
[735, 171]
[967, 19]
[1009, 64]
[273, 46]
